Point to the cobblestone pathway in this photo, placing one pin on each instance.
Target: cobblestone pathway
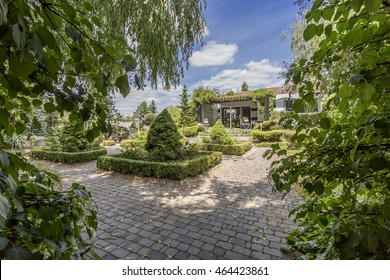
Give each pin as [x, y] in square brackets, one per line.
[229, 212]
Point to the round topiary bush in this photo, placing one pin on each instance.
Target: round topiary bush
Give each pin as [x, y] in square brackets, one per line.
[163, 141]
[219, 135]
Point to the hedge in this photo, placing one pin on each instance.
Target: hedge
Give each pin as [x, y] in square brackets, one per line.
[267, 136]
[235, 149]
[132, 143]
[174, 170]
[66, 157]
[108, 143]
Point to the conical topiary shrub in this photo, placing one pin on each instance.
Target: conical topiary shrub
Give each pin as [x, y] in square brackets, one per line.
[219, 135]
[163, 141]
[73, 139]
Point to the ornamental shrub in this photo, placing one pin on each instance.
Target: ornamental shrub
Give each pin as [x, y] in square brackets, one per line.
[219, 134]
[267, 136]
[109, 143]
[163, 140]
[73, 139]
[235, 149]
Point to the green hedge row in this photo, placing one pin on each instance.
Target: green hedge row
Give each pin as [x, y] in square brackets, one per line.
[170, 170]
[108, 143]
[66, 157]
[235, 149]
[132, 143]
[267, 136]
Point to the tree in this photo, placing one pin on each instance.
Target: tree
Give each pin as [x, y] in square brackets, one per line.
[219, 134]
[244, 86]
[67, 56]
[153, 107]
[187, 117]
[163, 140]
[344, 165]
[174, 111]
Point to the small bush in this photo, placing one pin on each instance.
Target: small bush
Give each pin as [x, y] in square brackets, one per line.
[236, 149]
[109, 143]
[174, 170]
[132, 143]
[267, 136]
[190, 131]
[67, 157]
[163, 140]
[219, 134]
[207, 139]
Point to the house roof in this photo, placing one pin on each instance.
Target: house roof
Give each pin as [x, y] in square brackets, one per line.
[246, 95]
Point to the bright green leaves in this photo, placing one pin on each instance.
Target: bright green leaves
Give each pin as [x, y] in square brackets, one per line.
[310, 32]
[122, 83]
[366, 92]
[69, 11]
[353, 38]
[328, 13]
[373, 5]
[345, 91]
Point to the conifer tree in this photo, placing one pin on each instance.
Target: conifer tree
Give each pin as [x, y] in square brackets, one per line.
[186, 113]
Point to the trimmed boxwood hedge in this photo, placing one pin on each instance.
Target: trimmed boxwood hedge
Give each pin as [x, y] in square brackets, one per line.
[174, 170]
[108, 143]
[235, 149]
[66, 157]
[267, 136]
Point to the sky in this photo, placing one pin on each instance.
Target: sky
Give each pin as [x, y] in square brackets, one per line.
[242, 43]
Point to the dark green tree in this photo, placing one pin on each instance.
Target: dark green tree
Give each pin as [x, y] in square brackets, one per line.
[219, 134]
[153, 107]
[187, 116]
[163, 140]
[343, 167]
[244, 86]
[73, 138]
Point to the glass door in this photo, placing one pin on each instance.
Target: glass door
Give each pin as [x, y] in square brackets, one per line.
[234, 114]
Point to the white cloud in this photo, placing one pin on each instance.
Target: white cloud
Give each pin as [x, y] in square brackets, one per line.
[257, 74]
[206, 32]
[163, 98]
[214, 54]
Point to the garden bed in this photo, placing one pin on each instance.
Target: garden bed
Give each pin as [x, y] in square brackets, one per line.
[235, 149]
[67, 157]
[174, 170]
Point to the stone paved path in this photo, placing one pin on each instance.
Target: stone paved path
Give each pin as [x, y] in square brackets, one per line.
[229, 212]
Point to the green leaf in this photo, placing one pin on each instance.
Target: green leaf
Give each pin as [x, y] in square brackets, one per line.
[385, 208]
[317, 4]
[325, 123]
[18, 36]
[366, 92]
[68, 10]
[344, 105]
[49, 107]
[123, 84]
[378, 163]
[369, 239]
[3, 243]
[345, 91]
[72, 34]
[4, 160]
[110, 50]
[5, 210]
[19, 128]
[373, 5]
[88, 6]
[96, 21]
[21, 69]
[298, 105]
[18, 253]
[309, 32]
[76, 55]
[327, 13]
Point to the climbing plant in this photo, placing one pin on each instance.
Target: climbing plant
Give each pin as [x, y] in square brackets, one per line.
[344, 166]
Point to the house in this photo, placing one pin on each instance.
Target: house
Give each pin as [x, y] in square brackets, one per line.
[240, 110]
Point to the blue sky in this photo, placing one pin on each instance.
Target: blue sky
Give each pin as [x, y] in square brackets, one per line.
[242, 43]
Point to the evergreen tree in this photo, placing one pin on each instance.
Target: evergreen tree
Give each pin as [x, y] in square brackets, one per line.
[186, 113]
[244, 86]
[163, 141]
[153, 107]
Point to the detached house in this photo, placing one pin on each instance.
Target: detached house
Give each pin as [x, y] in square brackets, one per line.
[241, 110]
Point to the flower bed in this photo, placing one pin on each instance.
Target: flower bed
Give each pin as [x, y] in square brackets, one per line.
[174, 170]
[234, 149]
[67, 157]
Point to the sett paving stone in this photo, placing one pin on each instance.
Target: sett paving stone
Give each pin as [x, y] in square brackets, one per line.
[221, 213]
